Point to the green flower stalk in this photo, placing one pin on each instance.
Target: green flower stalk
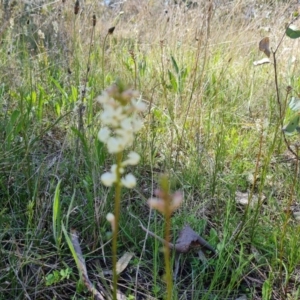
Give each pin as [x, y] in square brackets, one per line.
[166, 204]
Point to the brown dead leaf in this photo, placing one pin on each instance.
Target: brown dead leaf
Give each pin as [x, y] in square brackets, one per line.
[82, 267]
[264, 46]
[188, 239]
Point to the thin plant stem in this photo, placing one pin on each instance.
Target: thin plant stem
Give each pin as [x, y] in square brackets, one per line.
[167, 257]
[167, 199]
[131, 52]
[103, 50]
[83, 92]
[89, 56]
[109, 32]
[74, 52]
[116, 227]
[281, 110]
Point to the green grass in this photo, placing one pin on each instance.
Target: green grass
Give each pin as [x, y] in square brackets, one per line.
[206, 106]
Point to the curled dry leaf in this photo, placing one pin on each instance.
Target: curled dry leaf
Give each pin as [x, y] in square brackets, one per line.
[124, 261]
[264, 46]
[189, 239]
[261, 62]
[122, 264]
[82, 267]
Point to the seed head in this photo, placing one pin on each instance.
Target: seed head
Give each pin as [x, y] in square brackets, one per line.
[111, 30]
[76, 7]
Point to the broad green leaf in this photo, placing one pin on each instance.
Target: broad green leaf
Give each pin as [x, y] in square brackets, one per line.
[33, 97]
[12, 122]
[173, 81]
[12, 127]
[267, 289]
[292, 125]
[72, 249]
[41, 100]
[294, 104]
[59, 87]
[142, 66]
[56, 216]
[293, 32]
[183, 73]
[74, 93]
[175, 64]
[181, 79]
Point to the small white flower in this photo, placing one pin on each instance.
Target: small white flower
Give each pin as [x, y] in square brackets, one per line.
[113, 169]
[137, 124]
[130, 94]
[104, 134]
[133, 159]
[110, 217]
[41, 34]
[115, 145]
[108, 178]
[107, 117]
[126, 124]
[103, 98]
[112, 116]
[129, 181]
[127, 137]
[139, 106]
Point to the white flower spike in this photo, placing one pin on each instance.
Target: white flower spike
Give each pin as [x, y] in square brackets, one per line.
[120, 119]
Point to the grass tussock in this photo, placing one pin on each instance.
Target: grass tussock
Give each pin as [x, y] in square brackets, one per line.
[212, 126]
